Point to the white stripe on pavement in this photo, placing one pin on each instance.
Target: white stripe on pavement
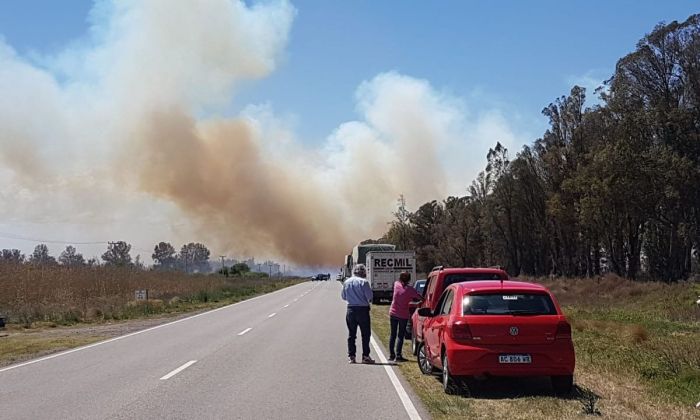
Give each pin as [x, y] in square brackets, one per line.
[178, 370]
[405, 399]
[285, 305]
[63, 353]
[272, 314]
[244, 331]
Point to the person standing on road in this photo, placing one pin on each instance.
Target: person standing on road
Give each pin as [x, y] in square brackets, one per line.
[399, 314]
[357, 292]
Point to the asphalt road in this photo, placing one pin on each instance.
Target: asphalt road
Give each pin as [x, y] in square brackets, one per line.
[278, 356]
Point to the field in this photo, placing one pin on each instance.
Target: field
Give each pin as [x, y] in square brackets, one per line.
[55, 308]
[637, 350]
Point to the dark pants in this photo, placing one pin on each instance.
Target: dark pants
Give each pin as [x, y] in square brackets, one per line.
[400, 324]
[358, 316]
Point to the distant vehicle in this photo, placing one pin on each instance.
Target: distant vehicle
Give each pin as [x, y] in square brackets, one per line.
[497, 328]
[384, 268]
[320, 277]
[437, 282]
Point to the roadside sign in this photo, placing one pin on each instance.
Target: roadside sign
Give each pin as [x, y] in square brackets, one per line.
[142, 294]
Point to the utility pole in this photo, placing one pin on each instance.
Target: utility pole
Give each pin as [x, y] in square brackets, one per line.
[222, 262]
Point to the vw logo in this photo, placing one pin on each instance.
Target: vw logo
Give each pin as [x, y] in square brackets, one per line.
[514, 330]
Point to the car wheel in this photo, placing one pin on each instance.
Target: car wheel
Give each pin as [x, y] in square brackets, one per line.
[449, 384]
[423, 362]
[414, 345]
[562, 385]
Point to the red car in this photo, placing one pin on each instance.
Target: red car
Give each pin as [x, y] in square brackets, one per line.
[497, 328]
[438, 280]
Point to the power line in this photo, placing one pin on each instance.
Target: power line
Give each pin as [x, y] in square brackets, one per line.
[6, 235]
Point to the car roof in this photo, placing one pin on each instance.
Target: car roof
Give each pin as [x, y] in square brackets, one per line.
[497, 285]
[488, 270]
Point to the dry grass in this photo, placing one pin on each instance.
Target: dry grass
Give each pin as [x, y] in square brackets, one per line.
[638, 356]
[64, 296]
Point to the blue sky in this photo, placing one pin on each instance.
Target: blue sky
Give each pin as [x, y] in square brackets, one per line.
[515, 55]
[426, 87]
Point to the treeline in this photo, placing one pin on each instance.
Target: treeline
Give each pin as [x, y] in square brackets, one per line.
[614, 187]
[192, 257]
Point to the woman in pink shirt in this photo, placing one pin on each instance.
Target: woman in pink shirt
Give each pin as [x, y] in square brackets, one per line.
[399, 314]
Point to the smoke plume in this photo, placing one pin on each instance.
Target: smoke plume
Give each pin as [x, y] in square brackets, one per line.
[128, 122]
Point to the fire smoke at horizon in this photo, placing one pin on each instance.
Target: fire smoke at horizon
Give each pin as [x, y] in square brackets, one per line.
[135, 112]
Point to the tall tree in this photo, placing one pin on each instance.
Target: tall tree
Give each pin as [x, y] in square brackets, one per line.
[117, 254]
[164, 256]
[194, 258]
[71, 258]
[11, 256]
[41, 256]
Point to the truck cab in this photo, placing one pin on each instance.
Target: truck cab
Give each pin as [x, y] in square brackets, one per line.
[438, 280]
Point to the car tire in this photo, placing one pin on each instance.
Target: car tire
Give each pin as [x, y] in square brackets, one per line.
[424, 364]
[562, 385]
[449, 384]
[414, 345]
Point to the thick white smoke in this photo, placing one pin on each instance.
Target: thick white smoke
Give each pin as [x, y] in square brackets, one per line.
[120, 135]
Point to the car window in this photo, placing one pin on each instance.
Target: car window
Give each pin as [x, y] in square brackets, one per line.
[429, 288]
[508, 304]
[447, 303]
[438, 307]
[462, 277]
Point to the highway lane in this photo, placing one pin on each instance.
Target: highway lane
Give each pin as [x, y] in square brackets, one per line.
[281, 355]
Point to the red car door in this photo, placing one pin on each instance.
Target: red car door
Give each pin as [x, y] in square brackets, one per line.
[437, 327]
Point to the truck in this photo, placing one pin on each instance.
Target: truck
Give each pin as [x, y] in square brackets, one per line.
[359, 255]
[383, 269]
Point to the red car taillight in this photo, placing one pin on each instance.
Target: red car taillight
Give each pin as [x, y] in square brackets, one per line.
[563, 331]
[460, 332]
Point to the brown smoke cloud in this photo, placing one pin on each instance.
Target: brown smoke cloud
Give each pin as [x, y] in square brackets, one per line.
[132, 136]
[216, 173]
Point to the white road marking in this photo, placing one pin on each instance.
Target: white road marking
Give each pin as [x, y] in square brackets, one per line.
[285, 305]
[63, 353]
[244, 331]
[272, 314]
[405, 399]
[178, 370]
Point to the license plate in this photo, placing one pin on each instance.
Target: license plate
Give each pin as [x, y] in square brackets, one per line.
[514, 358]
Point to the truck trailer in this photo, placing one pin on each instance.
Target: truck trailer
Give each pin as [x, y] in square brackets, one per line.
[383, 269]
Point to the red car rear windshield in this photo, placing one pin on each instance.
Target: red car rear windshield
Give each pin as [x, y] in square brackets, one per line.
[462, 277]
[508, 304]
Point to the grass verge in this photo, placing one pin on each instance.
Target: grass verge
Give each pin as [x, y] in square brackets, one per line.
[636, 358]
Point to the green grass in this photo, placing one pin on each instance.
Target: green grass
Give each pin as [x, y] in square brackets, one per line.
[637, 349]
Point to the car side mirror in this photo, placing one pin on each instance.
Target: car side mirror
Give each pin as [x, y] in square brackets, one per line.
[425, 312]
